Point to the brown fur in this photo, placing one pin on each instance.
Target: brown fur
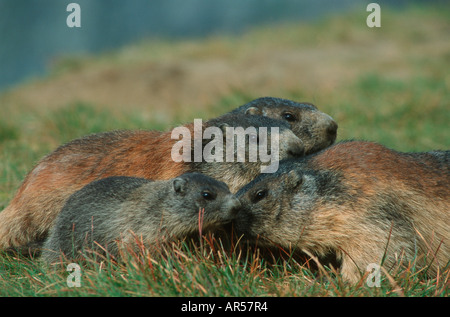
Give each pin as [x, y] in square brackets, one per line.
[116, 210]
[71, 166]
[316, 129]
[145, 154]
[359, 200]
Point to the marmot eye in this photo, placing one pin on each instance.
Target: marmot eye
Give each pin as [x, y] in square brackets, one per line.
[207, 195]
[289, 117]
[260, 194]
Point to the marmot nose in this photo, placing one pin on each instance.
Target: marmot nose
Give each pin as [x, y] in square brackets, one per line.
[234, 205]
[332, 130]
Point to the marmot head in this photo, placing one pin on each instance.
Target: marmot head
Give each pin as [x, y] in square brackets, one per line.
[199, 201]
[234, 148]
[276, 208]
[258, 130]
[316, 129]
[268, 212]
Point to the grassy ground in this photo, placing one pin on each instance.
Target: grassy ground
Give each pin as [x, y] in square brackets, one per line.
[206, 269]
[389, 85]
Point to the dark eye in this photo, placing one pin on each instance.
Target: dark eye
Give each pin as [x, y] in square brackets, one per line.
[260, 194]
[289, 117]
[207, 195]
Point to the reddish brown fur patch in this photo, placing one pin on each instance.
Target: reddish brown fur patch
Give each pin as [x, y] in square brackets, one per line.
[46, 188]
[382, 164]
[416, 186]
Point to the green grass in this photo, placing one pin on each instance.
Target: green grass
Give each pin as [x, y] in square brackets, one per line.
[205, 269]
[389, 85]
[408, 115]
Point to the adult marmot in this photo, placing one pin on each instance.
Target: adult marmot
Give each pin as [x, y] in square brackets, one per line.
[360, 200]
[146, 154]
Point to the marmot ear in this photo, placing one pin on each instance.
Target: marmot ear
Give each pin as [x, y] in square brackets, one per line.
[293, 179]
[179, 185]
[253, 111]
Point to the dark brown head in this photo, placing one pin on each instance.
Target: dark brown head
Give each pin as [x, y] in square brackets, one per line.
[197, 197]
[316, 129]
[276, 208]
[267, 209]
[236, 148]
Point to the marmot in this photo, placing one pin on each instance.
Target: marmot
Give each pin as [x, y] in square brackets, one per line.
[119, 210]
[360, 200]
[316, 129]
[146, 154]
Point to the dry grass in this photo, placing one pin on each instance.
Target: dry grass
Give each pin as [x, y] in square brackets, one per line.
[207, 268]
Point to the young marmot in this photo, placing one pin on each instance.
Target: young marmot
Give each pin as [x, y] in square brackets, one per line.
[360, 200]
[119, 210]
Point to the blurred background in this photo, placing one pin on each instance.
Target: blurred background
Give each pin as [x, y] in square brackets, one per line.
[33, 33]
[155, 64]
